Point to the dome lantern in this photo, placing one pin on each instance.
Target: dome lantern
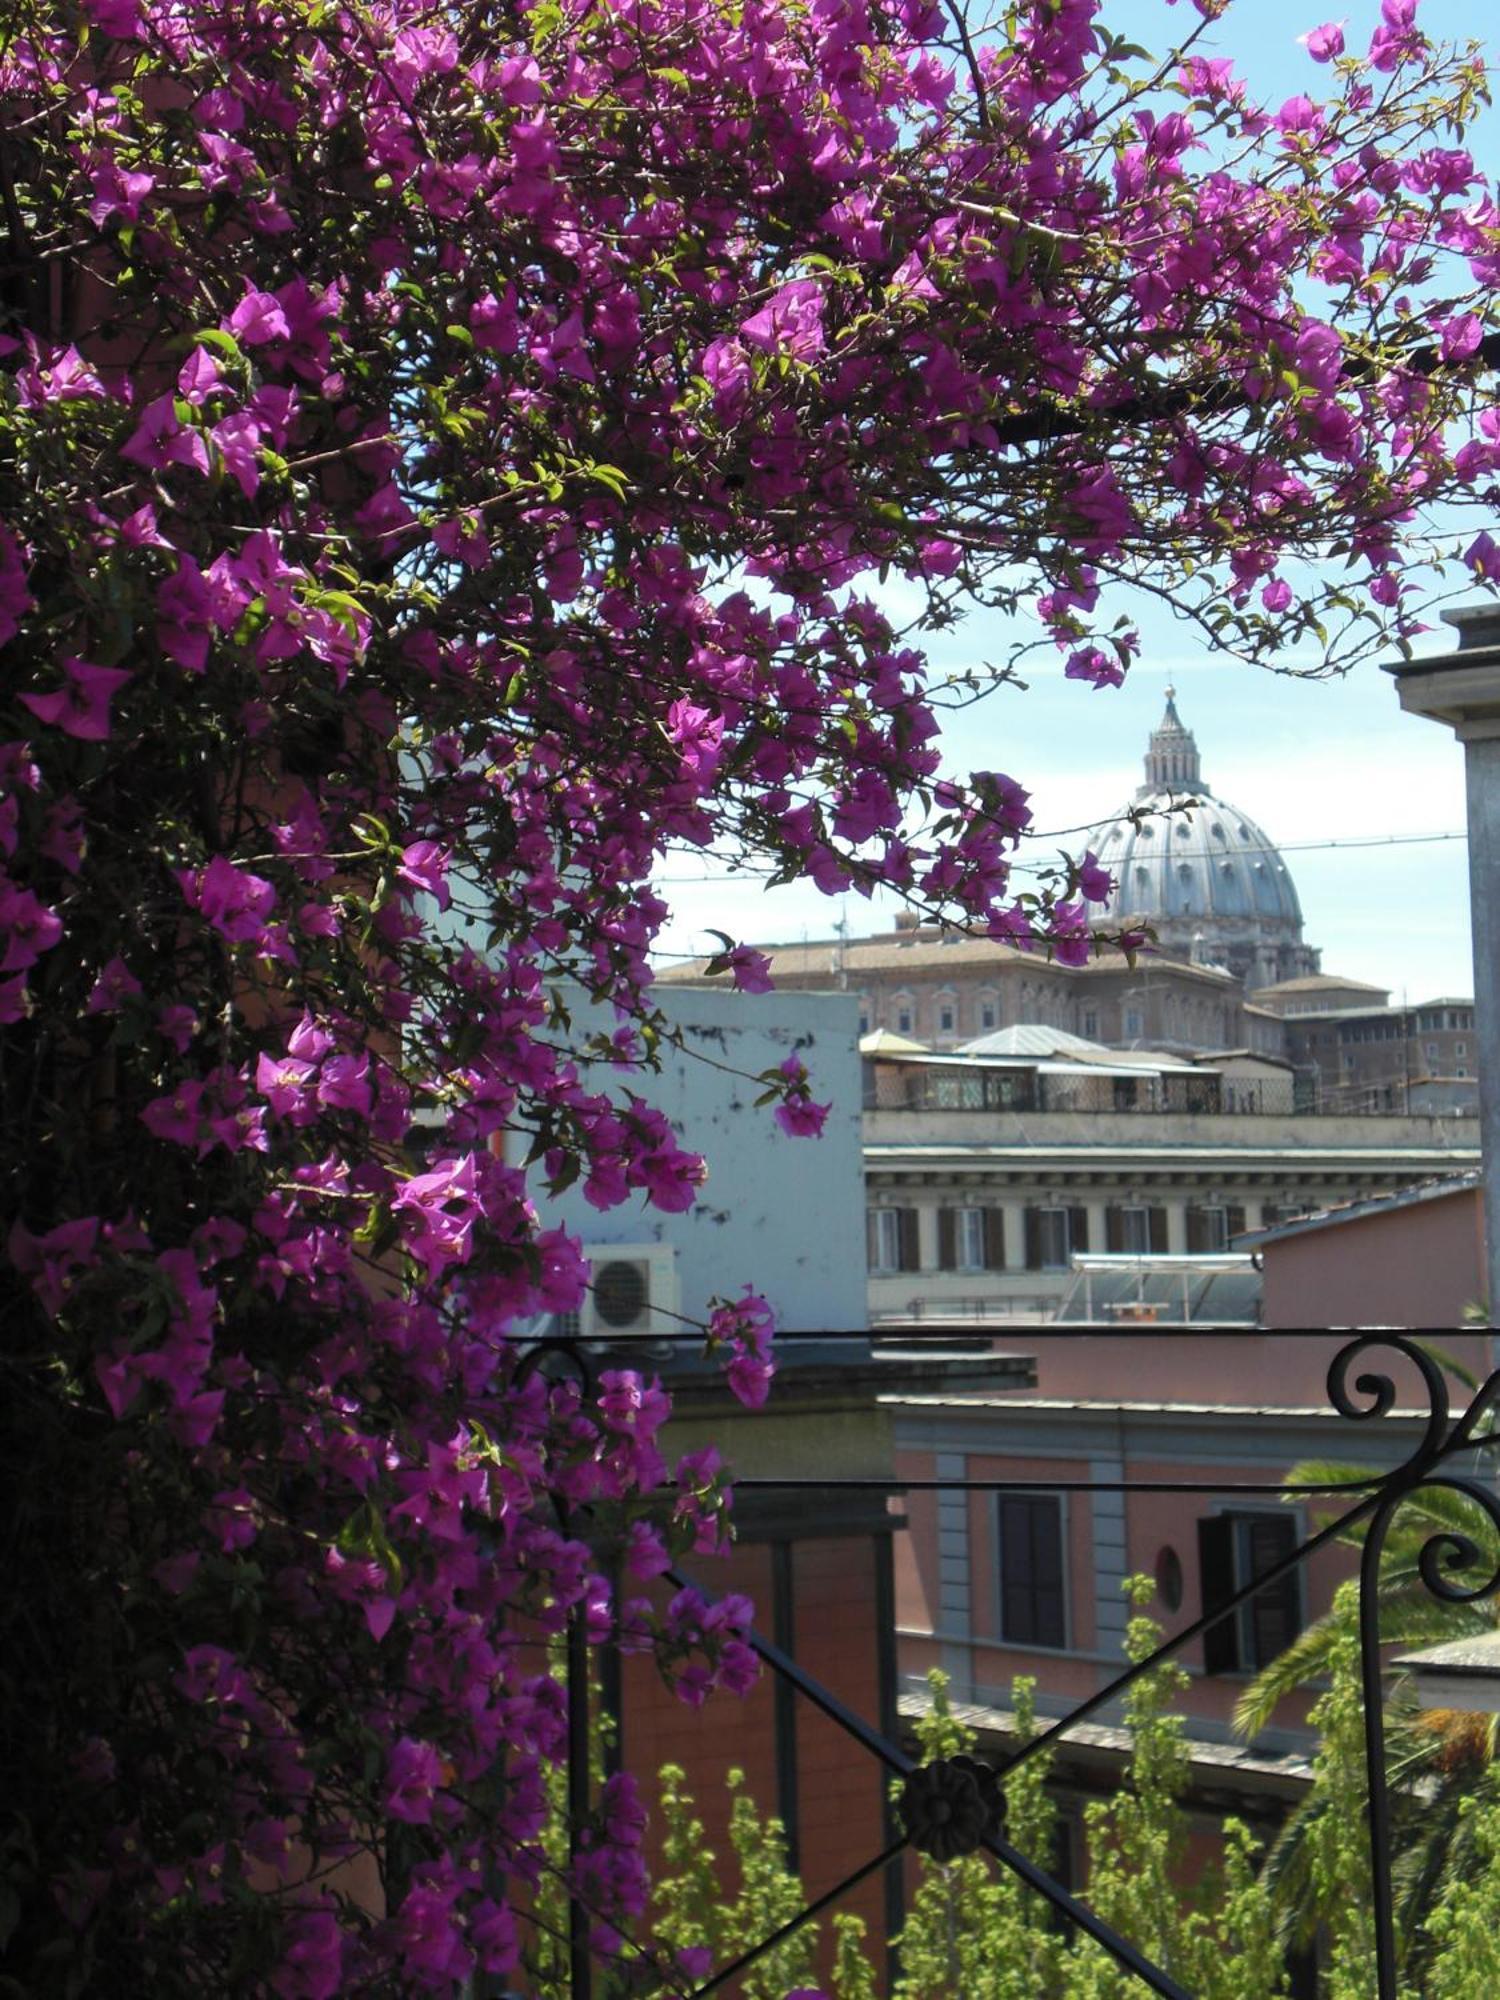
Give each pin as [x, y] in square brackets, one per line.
[1172, 755]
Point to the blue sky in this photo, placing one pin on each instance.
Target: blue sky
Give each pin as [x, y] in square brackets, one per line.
[1313, 761]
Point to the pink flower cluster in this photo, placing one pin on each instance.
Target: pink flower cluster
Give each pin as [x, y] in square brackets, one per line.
[457, 466]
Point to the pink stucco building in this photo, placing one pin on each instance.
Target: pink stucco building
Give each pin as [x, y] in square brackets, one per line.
[1414, 1258]
[1020, 1537]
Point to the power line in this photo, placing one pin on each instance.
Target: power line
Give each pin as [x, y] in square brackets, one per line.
[1280, 847]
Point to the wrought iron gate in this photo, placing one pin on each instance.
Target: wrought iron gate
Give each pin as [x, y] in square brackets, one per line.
[955, 1806]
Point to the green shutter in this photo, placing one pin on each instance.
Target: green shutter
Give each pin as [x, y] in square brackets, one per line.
[1033, 1241]
[947, 1255]
[1114, 1230]
[1078, 1230]
[1157, 1222]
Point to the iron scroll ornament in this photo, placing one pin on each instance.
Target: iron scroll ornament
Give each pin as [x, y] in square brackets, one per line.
[1443, 1559]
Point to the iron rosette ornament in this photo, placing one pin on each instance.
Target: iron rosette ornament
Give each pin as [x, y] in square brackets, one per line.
[950, 1807]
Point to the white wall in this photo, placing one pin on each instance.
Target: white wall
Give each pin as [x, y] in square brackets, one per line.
[784, 1215]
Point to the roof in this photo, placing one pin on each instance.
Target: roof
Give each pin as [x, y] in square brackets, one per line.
[1322, 982]
[1029, 1038]
[1438, 1189]
[1201, 1056]
[1212, 1762]
[917, 1155]
[883, 1042]
[984, 1400]
[830, 958]
[1313, 1016]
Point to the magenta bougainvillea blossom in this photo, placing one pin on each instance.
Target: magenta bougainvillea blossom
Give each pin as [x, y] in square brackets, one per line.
[449, 457]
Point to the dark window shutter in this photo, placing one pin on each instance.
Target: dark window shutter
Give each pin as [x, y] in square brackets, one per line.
[947, 1255]
[1031, 1574]
[1114, 1230]
[994, 1239]
[1033, 1240]
[1197, 1231]
[1216, 1572]
[1015, 1569]
[1157, 1218]
[1234, 1220]
[1275, 1611]
[1078, 1229]
[872, 1243]
[910, 1252]
[1047, 1569]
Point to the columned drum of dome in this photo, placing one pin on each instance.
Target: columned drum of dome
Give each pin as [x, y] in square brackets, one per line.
[1204, 876]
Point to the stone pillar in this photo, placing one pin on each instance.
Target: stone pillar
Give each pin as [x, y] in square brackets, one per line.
[1462, 689]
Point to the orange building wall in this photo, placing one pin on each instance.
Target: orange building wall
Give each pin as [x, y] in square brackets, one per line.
[840, 1785]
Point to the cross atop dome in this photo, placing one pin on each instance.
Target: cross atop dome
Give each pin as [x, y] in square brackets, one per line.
[1172, 756]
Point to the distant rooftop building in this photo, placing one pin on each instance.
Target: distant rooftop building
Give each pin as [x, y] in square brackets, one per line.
[1205, 877]
[1322, 994]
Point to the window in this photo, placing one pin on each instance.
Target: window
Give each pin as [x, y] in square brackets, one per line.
[1052, 1235]
[891, 1239]
[1234, 1549]
[1135, 1231]
[1032, 1600]
[1460, 1048]
[1210, 1227]
[989, 1011]
[1133, 1027]
[1091, 1024]
[971, 1239]
[903, 1020]
[1430, 1049]
[947, 1011]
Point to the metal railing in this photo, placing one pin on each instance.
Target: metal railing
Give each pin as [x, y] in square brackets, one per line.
[950, 1807]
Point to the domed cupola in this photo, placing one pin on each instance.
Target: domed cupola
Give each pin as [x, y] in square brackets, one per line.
[1204, 876]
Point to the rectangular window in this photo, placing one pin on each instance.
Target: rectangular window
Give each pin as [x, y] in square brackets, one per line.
[1207, 1230]
[1136, 1231]
[903, 1020]
[1053, 1235]
[1460, 1048]
[946, 1018]
[891, 1239]
[1132, 1023]
[1032, 1600]
[1234, 1549]
[987, 1014]
[971, 1239]
[1091, 1024]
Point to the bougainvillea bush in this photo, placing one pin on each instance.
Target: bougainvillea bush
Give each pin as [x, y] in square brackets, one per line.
[450, 453]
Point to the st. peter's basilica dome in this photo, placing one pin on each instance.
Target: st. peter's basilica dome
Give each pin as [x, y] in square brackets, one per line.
[1205, 877]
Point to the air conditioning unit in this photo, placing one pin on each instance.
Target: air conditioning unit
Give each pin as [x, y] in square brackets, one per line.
[632, 1295]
